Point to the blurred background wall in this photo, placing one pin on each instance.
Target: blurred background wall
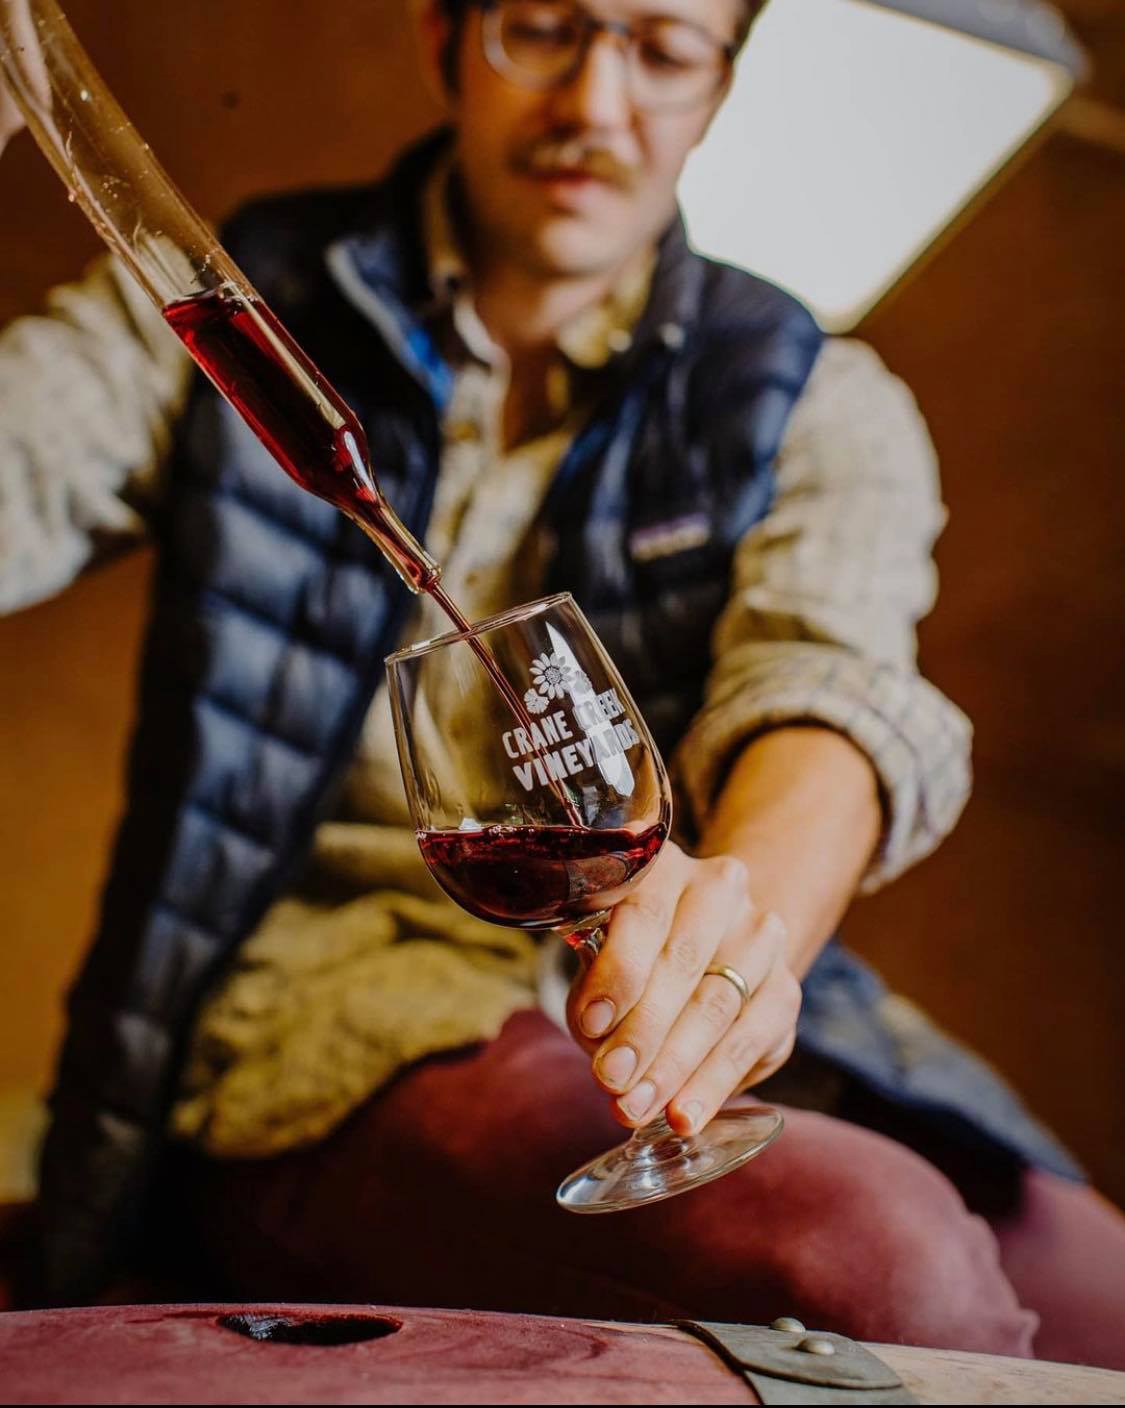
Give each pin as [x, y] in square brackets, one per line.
[1012, 339]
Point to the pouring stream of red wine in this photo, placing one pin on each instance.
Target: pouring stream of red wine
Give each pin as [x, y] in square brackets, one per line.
[316, 438]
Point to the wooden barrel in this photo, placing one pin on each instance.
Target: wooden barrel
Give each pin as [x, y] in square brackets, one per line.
[385, 1354]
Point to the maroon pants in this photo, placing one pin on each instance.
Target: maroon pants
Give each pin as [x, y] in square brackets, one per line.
[440, 1191]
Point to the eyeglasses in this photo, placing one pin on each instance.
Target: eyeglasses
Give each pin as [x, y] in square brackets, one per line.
[670, 63]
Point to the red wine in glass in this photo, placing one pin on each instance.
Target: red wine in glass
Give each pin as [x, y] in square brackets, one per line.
[538, 877]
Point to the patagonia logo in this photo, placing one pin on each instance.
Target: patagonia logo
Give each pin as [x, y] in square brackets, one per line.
[664, 539]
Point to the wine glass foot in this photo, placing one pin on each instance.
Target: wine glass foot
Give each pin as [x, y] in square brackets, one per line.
[664, 1163]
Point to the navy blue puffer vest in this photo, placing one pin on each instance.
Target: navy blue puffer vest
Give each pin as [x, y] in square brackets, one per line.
[273, 613]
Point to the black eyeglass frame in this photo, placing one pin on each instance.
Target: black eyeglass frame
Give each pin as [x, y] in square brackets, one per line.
[501, 63]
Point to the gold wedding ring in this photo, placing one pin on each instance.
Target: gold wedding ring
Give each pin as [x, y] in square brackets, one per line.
[732, 976]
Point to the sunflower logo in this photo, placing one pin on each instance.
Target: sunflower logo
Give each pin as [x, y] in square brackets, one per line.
[534, 702]
[551, 677]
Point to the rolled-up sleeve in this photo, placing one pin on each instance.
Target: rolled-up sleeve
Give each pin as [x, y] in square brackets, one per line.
[89, 391]
[826, 592]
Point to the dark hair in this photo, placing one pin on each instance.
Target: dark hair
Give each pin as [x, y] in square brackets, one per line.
[455, 11]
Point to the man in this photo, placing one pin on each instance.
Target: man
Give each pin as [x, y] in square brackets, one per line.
[558, 393]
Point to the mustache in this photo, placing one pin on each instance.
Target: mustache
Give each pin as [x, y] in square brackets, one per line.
[578, 154]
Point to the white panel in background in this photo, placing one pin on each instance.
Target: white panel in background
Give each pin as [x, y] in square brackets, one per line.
[851, 138]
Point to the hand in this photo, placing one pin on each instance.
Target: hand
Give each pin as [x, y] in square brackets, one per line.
[687, 1045]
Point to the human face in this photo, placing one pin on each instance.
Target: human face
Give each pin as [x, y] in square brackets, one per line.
[569, 182]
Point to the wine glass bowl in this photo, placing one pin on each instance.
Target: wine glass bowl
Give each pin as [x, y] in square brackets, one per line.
[538, 797]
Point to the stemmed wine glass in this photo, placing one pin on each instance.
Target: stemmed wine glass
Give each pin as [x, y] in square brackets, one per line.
[539, 800]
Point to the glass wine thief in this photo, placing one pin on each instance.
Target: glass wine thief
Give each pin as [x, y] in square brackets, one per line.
[113, 176]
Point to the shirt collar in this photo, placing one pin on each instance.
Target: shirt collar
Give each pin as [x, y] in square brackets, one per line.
[591, 339]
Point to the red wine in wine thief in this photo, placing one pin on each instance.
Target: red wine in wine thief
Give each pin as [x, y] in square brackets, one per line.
[316, 438]
[304, 423]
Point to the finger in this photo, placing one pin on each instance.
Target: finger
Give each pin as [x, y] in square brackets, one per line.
[715, 903]
[705, 1020]
[772, 1061]
[755, 1046]
[617, 977]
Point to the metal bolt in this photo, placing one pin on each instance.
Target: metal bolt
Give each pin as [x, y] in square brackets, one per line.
[815, 1345]
[786, 1322]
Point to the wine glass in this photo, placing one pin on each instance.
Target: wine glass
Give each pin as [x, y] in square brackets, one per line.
[539, 800]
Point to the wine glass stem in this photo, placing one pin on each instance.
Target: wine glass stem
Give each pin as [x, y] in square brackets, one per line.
[656, 1140]
[588, 939]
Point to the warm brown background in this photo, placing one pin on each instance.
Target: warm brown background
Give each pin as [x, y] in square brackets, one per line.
[1013, 340]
